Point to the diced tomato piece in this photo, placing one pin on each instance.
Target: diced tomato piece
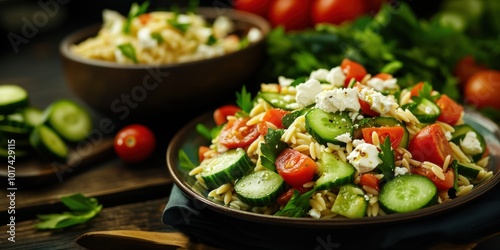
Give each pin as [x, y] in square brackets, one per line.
[441, 185]
[285, 197]
[369, 180]
[295, 167]
[144, 18]
[383, 76]
[221, 114]
[366, 109]
[415, 90]
[273, 116]
[351, 70]
[201, 152]
[237, 134]
[395, 134]
[450, 110]
[430, 144]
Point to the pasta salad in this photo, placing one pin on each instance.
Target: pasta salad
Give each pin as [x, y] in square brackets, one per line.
[340, 143]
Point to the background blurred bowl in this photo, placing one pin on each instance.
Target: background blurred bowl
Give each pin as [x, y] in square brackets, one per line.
[123, 92]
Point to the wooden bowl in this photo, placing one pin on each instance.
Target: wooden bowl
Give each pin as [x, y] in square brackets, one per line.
[125, 91]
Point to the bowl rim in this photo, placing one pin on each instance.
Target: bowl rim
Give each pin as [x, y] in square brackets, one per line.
[208, 12]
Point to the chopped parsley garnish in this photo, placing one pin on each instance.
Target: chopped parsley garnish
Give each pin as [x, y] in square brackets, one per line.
[184, 161]
[206, 132]
[211, 40]
[387, 156]
[135, 11]
[128, 51]
[244, 100]
[298, 204]
[271, 148]
[157, 36]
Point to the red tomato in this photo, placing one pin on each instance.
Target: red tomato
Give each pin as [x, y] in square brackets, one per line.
[337, 11]
[201, 152]
[285, 197]
[383, 76]
[450, 110]
[144, 18]
[295, 168]
[395, 134]
[366, 109]
[258, 7]
[134, 143]
[465, 68]
[415, 90]
[236, 134]
[273, 116]
[483, 89]
[351, 70]
[430, 144]
[221, 114]
[369, 180]
[291, 14]
[441, 185]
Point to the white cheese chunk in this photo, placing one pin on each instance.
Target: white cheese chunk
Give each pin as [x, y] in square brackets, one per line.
[381, 85]
[319, 74]
[345, 99]
[336, 77]
[306, 92]
[378, 102]
[470, 144]
[145, 38]
[364, 157]
[284, 82]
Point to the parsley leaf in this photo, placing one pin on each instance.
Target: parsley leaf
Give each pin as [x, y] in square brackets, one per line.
[298, 204]
[82, 210]
[184, 161]
[128, 51]
[157, 36]
[135, 11]
[271, 148]
[387, 156]
[182, 27]
[244, 100]
[208, 133]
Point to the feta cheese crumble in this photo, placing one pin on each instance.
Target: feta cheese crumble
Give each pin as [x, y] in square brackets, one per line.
[381, 85]
[336, 77]
[338, 100]
[364, 157]
[306, 92]
[378, 102]
[470, 144]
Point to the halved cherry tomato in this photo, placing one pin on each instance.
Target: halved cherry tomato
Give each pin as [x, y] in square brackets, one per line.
[450, 110]
[201, 152]
[221, 114]
[351, 70]
[295, 168]
[415, 90]
[366, 108]
[441, 185]
[370, 180]
[273, 116]
[237, 134]
[383, 76]
[285, 197]
[395, 134]
[430, 144]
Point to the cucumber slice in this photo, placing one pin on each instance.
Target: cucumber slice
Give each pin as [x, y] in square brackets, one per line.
[289, 118]
[226, 167]
[384, 122]
[425, 110]
[260, 188]
[334, 172]
[350, 202]
[32, 116]
[71, 121]
[461, 131]
[326, 127]
[406, 193]
[286, 102]
[469, 170]
[48, 144]
[12, 97]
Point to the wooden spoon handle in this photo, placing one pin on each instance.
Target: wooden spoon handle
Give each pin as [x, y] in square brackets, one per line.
[135, 239]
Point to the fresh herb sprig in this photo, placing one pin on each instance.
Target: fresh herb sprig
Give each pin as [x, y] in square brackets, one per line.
[135, 11]
[244, 100]
[184, 160]
[271, 148]
[82, 209]
[387, 156]
[128, 51]
[298, 204]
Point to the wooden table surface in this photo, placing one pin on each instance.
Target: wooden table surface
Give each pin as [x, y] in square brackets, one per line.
[133, 195]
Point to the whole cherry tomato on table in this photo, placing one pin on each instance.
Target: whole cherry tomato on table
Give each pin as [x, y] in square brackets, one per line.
[291, 14]
[134, 143]
[337, 11]
[258, 7]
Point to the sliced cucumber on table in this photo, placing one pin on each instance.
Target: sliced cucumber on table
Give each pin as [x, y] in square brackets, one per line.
[71, 121]
[260, 188]
[226, 167]
[48, 143]
[12, 97]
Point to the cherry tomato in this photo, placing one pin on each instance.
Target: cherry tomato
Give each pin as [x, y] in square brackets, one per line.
[291, 14]
[134, 143]
[430, 144]
[295, 168]
[221, 114]
[369, 180]
[450, 110]
[285, 197]
[415, 90]
[366, 108]
[441, 185]
[337, 11]
[351, 70]
[273, 116]
[258, 7]
[483, 89]
[395, 134]
[383, 76]
[465, 68]
[201, 152]
[236, 134]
